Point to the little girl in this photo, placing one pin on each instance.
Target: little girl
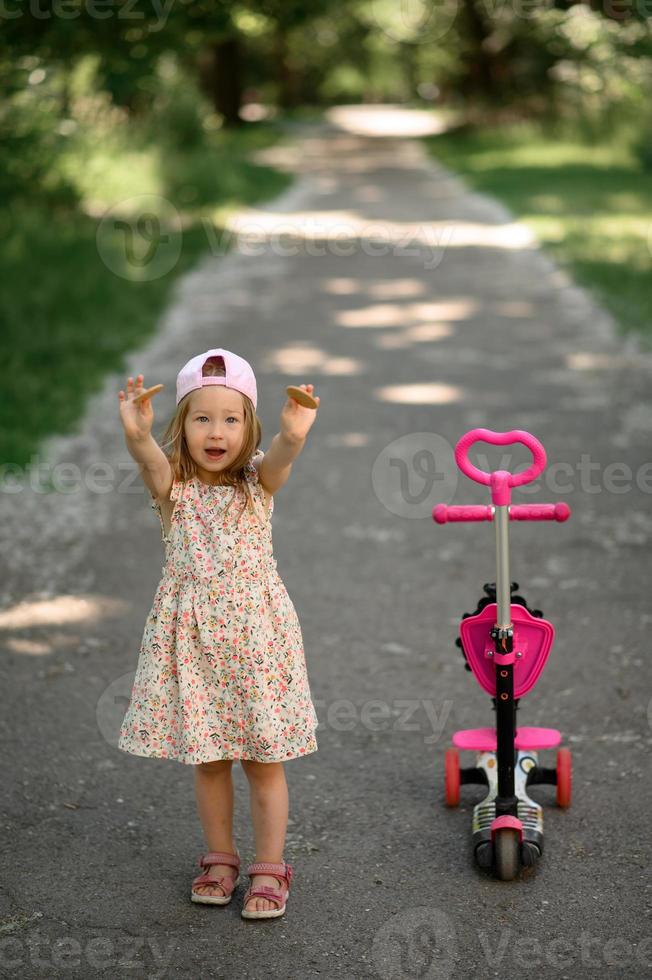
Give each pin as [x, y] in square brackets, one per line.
[221, 673]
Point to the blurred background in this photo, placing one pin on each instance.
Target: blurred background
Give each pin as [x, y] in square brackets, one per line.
[544, 105]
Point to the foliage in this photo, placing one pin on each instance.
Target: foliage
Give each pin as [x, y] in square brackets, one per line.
[60, 302]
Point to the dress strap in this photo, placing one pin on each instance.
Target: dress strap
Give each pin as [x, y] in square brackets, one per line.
[252, 472]
[176, 490]
[259, 494]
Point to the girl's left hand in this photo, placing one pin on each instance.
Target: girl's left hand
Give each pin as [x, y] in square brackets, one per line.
[297, 420]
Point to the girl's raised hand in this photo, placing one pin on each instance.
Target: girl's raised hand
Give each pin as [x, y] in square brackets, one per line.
[296, 419]
[137, 416]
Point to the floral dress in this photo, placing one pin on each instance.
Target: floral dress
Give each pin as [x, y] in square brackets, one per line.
[221, 672]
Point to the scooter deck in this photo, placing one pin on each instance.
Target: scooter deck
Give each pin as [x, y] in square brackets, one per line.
[527, 739]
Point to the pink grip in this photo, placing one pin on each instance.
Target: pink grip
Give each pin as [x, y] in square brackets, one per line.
[539, 512]
[465, 512]
[500, 439]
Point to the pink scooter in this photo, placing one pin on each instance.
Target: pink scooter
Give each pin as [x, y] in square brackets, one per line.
[506, 646]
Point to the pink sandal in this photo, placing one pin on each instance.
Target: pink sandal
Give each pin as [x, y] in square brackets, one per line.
[227, 883]
[281, 871]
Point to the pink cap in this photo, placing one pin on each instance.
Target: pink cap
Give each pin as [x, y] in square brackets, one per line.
[239, 375]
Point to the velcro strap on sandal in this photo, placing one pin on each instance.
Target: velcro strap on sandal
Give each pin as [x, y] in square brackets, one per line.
[219, 857]
[271, 868]
[264, 891]
[224, 882]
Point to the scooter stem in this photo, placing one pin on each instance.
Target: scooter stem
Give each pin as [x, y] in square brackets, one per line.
[503, 581]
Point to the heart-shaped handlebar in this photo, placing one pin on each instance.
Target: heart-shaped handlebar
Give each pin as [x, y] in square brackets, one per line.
[500, 439]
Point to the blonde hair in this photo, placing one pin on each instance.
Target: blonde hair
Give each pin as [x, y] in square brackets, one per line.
[183, 465]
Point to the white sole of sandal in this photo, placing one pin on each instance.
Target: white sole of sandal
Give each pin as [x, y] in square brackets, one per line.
[266, 914]
[213, 899]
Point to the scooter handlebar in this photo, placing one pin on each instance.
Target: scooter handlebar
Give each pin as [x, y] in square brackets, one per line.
[442, 514]
[500, 439]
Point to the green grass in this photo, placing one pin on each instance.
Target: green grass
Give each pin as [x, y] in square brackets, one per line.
[71, 309]
[590, 205]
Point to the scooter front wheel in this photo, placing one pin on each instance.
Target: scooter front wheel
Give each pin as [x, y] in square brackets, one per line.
[506, 853]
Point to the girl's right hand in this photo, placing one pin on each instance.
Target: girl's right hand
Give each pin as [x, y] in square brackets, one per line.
[136, 419]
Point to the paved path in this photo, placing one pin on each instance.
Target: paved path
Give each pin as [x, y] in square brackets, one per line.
[415, 307]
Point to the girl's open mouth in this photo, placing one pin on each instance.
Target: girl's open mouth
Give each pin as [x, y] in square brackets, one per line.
[215, 453]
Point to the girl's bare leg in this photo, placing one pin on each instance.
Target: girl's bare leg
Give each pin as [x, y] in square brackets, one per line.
[214, 795]
[269, 813]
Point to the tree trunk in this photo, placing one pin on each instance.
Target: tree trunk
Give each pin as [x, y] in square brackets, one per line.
[286, 77]
[220, 74]
[480, 72]
[407, 53]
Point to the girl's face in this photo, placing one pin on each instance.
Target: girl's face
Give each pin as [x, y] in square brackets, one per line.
[214, 429]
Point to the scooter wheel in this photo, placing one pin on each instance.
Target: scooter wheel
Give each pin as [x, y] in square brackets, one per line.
[564, 777]
[506, 853]
[452, 777]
